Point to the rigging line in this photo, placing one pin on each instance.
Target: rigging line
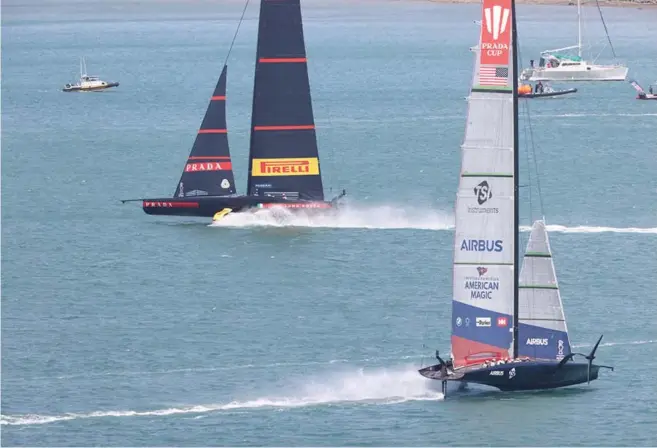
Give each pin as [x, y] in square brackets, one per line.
[538, 174]
[529, 173]
[532, 147]
[526, 141]
[246, 5]
[606, 31]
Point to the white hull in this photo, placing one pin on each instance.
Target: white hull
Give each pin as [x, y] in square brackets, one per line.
[583, 72]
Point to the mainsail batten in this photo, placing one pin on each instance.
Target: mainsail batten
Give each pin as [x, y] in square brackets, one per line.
[542, 329]
[208, 170]
[483, 276]
[283, 155]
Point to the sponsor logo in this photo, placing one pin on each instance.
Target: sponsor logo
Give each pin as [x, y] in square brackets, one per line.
[181, 193]
[225, 183]
[483, 321]
[496, 32]
[502, 322]
[560, 349]
[170, 204]
[481, 287]
[459, 321]
[497, 373]
[482, 245]
[512, 373]
[208, 166]
[196, 193]
[537, 341]
[483, 193]
[285, 167]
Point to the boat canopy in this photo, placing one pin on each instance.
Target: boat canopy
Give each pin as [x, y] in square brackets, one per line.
[565, 57]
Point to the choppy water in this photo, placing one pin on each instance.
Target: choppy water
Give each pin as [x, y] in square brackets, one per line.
[124, 329]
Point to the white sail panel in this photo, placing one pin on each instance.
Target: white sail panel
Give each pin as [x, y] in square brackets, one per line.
[494, 111]
[484, 286]
[483, 208]
[542, 329]
[497, 163]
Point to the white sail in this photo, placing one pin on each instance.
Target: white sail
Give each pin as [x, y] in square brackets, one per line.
[542, 331]
[482, 309]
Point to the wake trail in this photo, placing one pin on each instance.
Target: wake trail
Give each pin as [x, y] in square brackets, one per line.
[347, 217]
[223, 368]
[383, 217]
[585, 115]
[596, 229]
[612, 344]
[377, 386]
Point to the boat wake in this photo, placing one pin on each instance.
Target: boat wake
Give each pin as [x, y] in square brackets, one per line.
[376, 386]
[587, 115]
[613, 344]
[383, 217]
[596, 229]
[347, 217]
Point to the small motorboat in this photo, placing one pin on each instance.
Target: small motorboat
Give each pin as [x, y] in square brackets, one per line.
[541, 90]
[88, 83]
[642, 94]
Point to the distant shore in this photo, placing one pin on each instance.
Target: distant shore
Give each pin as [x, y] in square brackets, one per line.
[586, 3]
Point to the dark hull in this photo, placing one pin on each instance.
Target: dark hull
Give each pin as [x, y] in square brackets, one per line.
[547, 94]
[208, 206]
[647, 96]
[518, 376]
[93, 89]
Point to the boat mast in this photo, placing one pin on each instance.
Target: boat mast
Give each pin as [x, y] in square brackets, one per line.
[516, 202]
[579, 28]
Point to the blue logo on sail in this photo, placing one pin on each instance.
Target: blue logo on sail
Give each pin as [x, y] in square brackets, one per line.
[482, 245]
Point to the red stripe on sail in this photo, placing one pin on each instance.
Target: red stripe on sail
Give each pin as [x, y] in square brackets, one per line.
[218, 98]
[284, 128]
[212, 131]
[281, 60]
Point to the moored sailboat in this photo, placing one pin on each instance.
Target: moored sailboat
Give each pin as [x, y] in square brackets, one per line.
[284, 169]
[561, 65]
[508, 327]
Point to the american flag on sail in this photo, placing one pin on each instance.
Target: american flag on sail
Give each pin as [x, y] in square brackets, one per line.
[490, 75]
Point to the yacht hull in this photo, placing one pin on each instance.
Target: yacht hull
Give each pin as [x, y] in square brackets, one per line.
[518, 376]
[547, 94]
[587, 73]
[90, 89]
[209, 206]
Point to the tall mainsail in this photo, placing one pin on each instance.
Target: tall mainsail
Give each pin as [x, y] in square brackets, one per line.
[209, 171]
[542, 329]
[283, 156]
[486, 215]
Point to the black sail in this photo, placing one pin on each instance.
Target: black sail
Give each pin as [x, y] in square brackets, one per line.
[283, 156]
[209, 171]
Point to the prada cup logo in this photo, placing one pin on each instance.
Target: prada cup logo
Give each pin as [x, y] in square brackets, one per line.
[496, 24]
